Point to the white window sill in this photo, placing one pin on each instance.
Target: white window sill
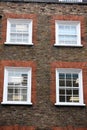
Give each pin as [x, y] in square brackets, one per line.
[69, 45]
[16, 103]
[68, 104]
[11, 43]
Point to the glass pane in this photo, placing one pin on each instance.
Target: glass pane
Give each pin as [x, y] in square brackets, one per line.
[10, 97]
[22, 27]
[68, 83]
[12, 37]
[17, 91]
[75, 84]
[76, 92]
[68, 98]
[19, 37]
[73, 29]
[61, 76]
[24, 98]
[75, 76]
[13, 27]
[67, 29]
[68, 92]
[62, 83]
[61, 29]
[68, 76]
[67, 39]
[62, 98]
[24, 82]
[25, 38]
[16, 97]
[68, 80]
[75, 80]
[24, 91]
[10, 90]
[61, 92]
[76, 99]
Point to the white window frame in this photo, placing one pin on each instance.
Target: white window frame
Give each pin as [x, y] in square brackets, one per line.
[70, 70]
[29, 22]
[78, 28]
[5, 93]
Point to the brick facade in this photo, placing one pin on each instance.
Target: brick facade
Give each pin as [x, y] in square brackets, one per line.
[43, 57]
[17, 127]
[68, 128]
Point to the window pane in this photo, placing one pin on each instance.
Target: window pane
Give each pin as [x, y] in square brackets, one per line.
[62, 98]
[68, 83]
[67, 39]
[10, 97]
[24, 98]
[75, 80]
[17, 85]
[74, 99]
[68, 98]
[68, 80]
[68, 92]
[62, 83]
[76, 92]
[13, 37]
[61, 76]
[16, 97]
[10, 90]
[13, 28]
[61, 91]
[22, 28]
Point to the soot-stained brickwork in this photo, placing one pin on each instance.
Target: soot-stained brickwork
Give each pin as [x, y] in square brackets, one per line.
[43, 114]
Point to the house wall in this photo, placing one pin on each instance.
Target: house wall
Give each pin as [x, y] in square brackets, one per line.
[43, 114]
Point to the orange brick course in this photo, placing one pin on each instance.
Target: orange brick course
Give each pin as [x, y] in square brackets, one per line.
[17, 127]
[69, 128]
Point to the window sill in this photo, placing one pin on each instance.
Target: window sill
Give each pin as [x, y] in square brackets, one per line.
[10, 43]
[64, 45]
[16, 103]
[68, 104]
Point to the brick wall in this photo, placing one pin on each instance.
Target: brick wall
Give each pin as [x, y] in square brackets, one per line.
[0, 27]
[68, 128]
[17, 127]
[42, 56]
